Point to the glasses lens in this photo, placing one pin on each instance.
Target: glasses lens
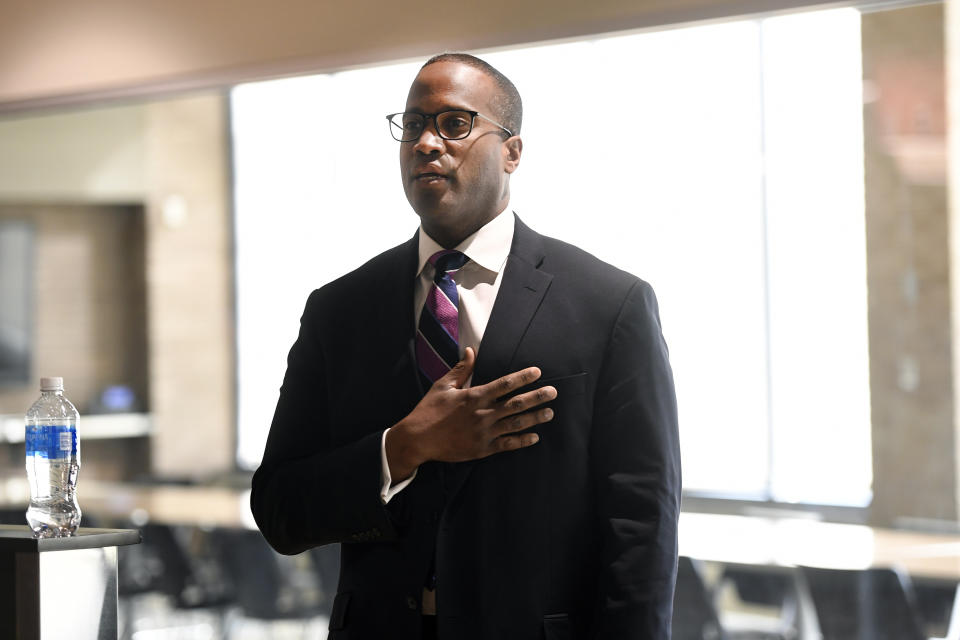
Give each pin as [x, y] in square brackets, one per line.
[454, 125]
[406, 126]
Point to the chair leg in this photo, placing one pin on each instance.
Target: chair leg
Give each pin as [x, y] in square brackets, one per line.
[808, 627]
[953, 630]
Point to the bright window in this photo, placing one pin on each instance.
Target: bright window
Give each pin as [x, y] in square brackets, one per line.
[723, 164]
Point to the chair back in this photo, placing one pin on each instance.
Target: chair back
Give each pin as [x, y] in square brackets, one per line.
[269, 586]
[694, 614]
[869, 604]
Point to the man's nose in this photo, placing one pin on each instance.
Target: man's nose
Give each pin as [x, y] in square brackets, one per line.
[429, 140]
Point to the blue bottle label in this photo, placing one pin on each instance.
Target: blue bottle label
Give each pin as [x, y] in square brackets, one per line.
[51, 441]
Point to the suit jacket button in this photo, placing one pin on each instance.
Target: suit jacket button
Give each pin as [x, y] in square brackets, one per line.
[412, 602]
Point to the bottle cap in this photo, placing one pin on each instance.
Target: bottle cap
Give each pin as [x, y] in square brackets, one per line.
[51, 384]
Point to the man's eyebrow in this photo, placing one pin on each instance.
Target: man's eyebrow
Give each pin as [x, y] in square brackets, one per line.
[444, 108]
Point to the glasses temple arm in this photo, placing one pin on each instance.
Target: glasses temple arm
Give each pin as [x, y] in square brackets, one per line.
[495, 122]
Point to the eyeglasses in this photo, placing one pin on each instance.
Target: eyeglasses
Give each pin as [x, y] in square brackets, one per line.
[455, 124]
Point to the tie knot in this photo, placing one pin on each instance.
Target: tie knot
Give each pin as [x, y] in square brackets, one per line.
[447, 261]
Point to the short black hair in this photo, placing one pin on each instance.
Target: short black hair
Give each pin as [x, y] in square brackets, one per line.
[507, 106]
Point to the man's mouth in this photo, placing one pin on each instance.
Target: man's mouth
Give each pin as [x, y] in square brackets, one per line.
[429, 177]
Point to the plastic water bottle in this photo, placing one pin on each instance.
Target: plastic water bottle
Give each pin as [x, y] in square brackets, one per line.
[53, 462]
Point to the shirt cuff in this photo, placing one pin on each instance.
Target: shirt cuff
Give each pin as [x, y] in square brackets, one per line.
[386, 491]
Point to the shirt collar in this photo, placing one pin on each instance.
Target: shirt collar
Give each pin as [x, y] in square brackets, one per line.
[488, 246]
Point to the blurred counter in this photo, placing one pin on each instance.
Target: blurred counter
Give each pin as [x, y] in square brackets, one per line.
[788, 542]
[728, 539]
[136, 505]
[94, 426]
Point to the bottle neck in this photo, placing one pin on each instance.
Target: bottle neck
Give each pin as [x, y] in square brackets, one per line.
[51, 392]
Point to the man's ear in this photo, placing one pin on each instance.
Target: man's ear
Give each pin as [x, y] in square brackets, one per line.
[512, 148]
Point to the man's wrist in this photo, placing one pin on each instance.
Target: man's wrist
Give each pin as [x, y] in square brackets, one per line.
[403, 456]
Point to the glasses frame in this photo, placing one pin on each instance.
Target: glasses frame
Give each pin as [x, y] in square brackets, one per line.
[433, 116]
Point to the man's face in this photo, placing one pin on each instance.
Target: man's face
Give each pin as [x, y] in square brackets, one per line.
[456, 186]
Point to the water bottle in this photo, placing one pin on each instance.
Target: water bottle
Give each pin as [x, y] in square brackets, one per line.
[53, 462]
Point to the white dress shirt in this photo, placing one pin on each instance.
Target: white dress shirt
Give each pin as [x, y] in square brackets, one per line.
[478, 282]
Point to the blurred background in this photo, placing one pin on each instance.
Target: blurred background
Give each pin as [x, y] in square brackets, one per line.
[175, 179]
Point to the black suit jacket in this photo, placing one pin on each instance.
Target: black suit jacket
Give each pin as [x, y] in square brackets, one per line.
[574, 537]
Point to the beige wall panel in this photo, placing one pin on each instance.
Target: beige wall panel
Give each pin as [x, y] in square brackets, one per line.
[952, 23]
[908, 258]
[190, 304]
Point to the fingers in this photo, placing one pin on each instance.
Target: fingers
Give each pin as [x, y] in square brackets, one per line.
[522, 421]
[508, 383]
[509, 443]
[528, 400]
[506, 442]
[460, 373]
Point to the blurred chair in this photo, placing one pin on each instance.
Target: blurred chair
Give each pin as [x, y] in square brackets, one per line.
[768, 589]
[178, 563]
[694, 615]
[759, 585]
[191, 572]
[869, 604]
[326, 564]
[936, 600]
[269, 586]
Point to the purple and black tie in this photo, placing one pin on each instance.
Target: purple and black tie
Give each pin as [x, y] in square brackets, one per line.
[438, 334]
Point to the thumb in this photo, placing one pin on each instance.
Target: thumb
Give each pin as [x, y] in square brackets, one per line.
[461, 372]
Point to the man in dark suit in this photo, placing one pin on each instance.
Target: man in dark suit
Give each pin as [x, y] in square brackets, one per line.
[484, 417]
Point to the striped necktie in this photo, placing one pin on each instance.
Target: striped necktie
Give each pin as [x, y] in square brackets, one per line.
[438, 334]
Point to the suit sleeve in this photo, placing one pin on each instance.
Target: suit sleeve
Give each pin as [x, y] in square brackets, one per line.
[309, 491]
[635, 458]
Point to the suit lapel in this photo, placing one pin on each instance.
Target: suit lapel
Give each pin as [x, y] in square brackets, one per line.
[521, 292]
[395, 321]
[520, 295]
